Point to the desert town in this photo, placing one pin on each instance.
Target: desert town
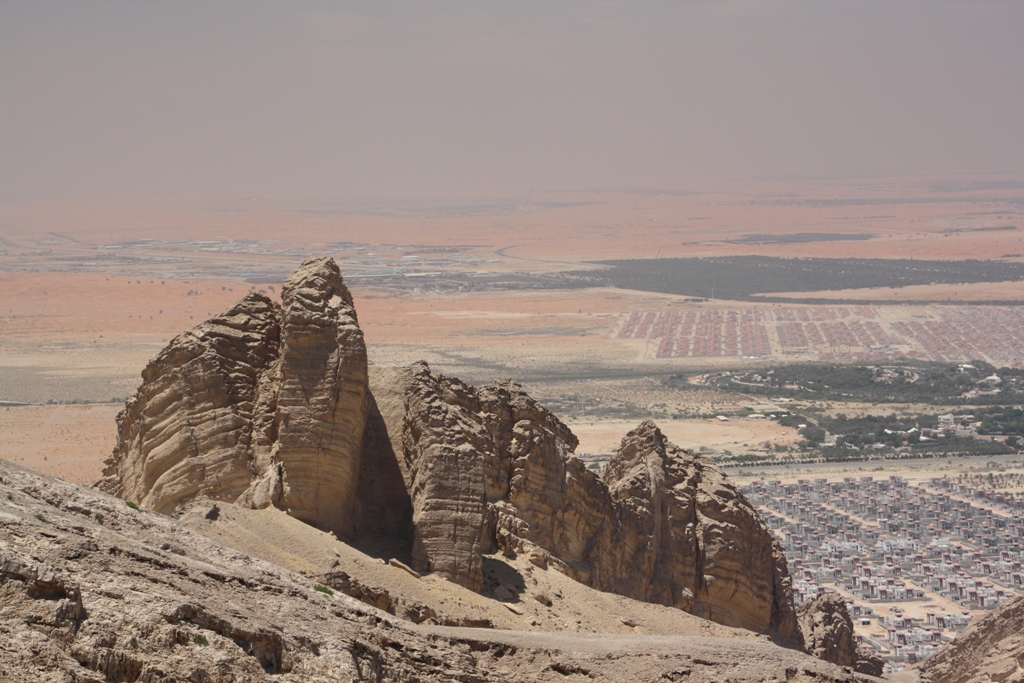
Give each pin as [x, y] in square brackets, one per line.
[915, 562]
[937, 333]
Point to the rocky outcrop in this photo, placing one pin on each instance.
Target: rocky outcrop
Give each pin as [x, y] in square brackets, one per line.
[664, 526]
[444, 447]
[693, 541]
[191, 427]
[320, 400]
[92, 591]
[990, 649]
[263, 404]
[490, 467]
[276, 405]
[379, 597]
[828, 634]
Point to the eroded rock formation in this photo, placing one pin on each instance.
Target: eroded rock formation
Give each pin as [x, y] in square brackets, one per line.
[263, 404]
[193, 425]
[491, 466]
[92, 591]
[828, 634]
[275, 405]
[321, 401]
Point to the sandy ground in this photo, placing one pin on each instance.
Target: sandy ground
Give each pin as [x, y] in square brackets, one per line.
[908, 217]
[276, 537]
[66, 441]
[603, 436]
[966, 292]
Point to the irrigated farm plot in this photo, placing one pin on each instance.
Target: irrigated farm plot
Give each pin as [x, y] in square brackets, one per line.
[940, 333]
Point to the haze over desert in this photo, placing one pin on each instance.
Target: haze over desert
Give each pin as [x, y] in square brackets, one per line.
[533, 342]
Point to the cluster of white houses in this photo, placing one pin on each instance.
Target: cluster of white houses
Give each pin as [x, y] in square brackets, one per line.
[884, 542]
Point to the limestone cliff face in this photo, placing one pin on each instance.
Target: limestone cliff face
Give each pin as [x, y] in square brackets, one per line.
[322, 397]
[192, 425]
[828, 634]
[664, 526]
[261, 405]
[443, 440]
[692, 540]
[491, 467]
[276, 405]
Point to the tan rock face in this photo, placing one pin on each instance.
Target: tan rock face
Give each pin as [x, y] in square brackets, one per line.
[443, 442]
[704, 548]
[92, 591]
[322, 397]
[664, 526]
[828, 634]
[266, 405]
[491, 467]
[990, 649]
[261, 405]
[193, 425]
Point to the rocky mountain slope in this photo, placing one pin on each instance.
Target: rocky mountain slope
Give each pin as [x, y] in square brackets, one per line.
[93, 590]
[275, 405]
[828, 634]
[990, 650]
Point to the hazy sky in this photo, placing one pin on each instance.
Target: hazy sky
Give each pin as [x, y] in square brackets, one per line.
[458, 99]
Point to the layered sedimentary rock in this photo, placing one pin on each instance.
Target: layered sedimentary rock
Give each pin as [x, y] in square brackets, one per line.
[991, 649]
[490, 466]
[321, 399]
[828, 634]
[275, 405]
[444, 442]
[263, 404]
[691, 540]
[193, 424]
[92, 591]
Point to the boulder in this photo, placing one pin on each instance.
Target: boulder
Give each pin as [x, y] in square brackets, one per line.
[828, 634]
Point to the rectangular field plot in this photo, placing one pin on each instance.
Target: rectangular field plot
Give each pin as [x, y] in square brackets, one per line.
[942, 333]
[718, 332]
[961, 333]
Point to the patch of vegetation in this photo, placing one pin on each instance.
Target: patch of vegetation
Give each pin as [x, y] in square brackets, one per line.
[743, 278]
[42, 518]
[577, 405]
[200, 639]
[998, 420]
[908, 382]
[133, 506]
[841, 438]
[323, 589]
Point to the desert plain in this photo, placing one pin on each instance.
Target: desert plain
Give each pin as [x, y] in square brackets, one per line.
[483, 289]
[89, 292]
